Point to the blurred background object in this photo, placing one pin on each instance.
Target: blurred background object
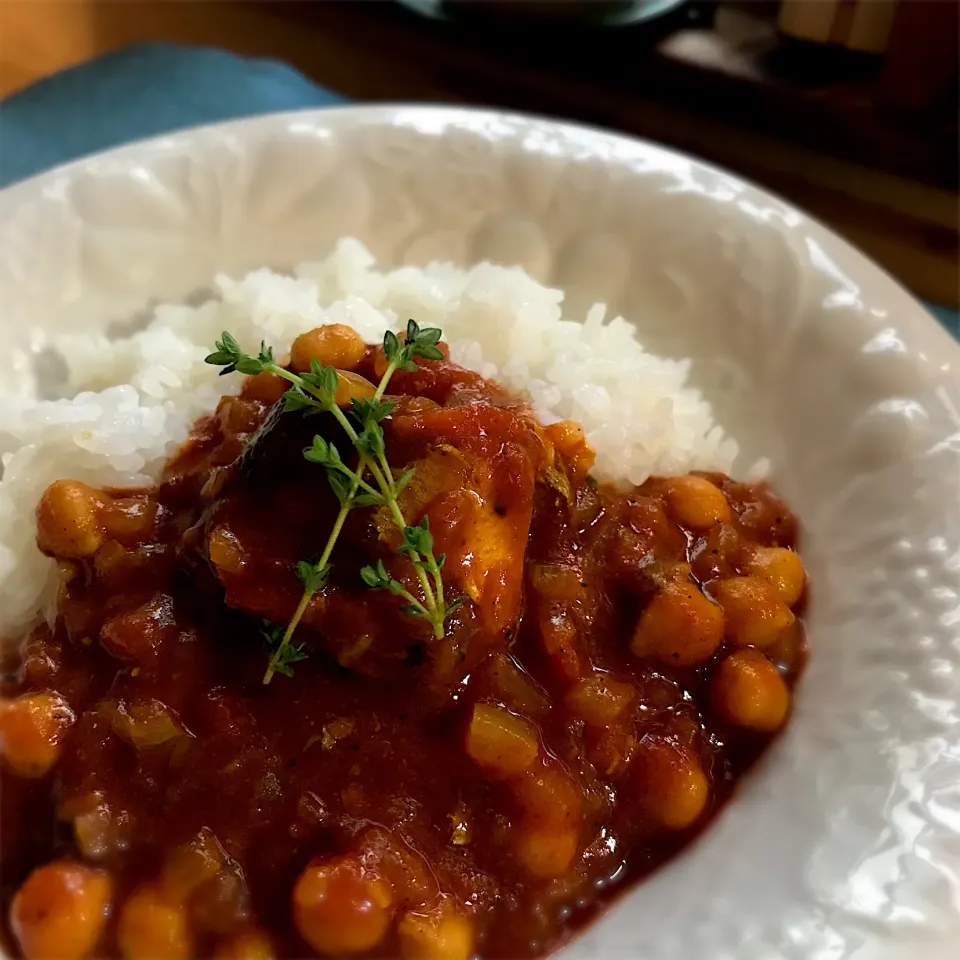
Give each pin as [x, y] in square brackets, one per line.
[846, 107]
[605, 13]
[855, 24]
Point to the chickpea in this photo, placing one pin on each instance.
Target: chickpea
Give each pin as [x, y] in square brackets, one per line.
[440, 933]
[69, 522]
[341, 907]
[335, 345]
[548, 799]
[31, 728]
[671, 783]
[130, 520]
[748, 691]
[697, 503]
[265, 387]
[546, 854]
[60, 911]
[679, 625]
[351, 386]
[753, 612]
[153, 926]
[782, 568]
[716, 554]
[600, 699]
[249, 944]
[502, 743]
[570, 441]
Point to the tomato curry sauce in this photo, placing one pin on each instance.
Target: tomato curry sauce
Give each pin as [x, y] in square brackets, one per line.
[621, 659]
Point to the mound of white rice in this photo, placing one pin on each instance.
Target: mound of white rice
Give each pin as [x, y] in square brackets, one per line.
[135, 398]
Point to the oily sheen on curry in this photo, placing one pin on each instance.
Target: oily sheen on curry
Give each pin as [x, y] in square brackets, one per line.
[554, 683]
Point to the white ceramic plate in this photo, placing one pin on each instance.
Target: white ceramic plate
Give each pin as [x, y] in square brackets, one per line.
[846, 841]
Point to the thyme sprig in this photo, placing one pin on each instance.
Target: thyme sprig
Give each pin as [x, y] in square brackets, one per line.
[282, 656]
[314, 392]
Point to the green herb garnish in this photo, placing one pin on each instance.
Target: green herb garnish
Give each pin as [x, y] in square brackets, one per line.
[313, 392]
[282, 655]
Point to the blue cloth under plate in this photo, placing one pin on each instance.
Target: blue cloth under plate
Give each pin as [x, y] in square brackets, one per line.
[949, 318]
[150, 89]
[141, 91]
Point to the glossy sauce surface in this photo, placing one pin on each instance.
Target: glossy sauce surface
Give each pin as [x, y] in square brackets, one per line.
[622, 660]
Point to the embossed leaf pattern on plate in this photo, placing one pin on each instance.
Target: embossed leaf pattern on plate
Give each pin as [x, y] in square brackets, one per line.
[845, 843]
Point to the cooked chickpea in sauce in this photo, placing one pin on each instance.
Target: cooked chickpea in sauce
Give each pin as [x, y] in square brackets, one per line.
[546, 684]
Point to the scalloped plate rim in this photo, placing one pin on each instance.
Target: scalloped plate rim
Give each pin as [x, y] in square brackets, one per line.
[927, 341]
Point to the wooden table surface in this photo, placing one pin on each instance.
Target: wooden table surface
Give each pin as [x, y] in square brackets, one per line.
[908, 226]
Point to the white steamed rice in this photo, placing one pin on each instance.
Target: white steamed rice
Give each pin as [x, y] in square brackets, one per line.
[133, 399]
